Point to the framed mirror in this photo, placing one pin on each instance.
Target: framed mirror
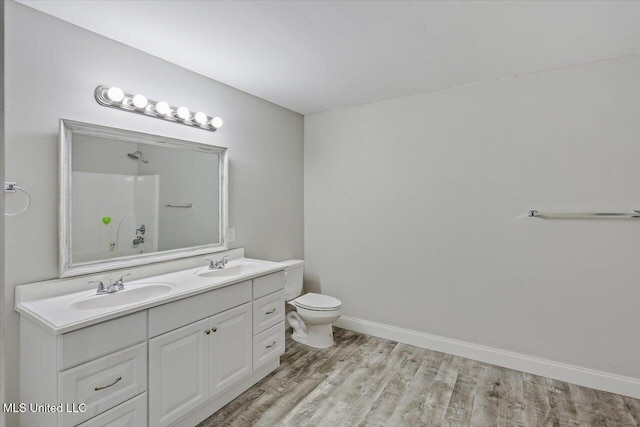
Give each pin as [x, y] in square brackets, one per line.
[129, 198]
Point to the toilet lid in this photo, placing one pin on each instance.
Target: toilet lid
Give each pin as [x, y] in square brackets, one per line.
[318, 302]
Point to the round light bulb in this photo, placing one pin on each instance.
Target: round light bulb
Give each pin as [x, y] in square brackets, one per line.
[115, 94]
[183, 113]
[163, 108]
[139, 101]
[200, 118]
[216, 122]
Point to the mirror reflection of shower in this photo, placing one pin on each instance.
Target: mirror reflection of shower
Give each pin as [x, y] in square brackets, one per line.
[138, 156]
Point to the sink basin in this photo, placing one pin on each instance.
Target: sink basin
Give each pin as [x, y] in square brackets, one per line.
[130, 295]
[222, 272]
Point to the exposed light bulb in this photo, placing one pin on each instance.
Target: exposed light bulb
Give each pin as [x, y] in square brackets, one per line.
[115, 94]
[200, 118]
[139, 101]
[183, 113]
[163, 108]
[216, 122]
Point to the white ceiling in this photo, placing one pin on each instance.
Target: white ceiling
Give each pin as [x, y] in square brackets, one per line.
[313, 56]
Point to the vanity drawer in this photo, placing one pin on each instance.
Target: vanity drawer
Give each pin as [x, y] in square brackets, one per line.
[95, 341]
[268, 345]
[174, 315]
[103, 383]
[132, 413]
[267, 311]
[268, 284]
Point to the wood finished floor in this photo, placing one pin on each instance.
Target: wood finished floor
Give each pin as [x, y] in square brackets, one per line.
[369, 381]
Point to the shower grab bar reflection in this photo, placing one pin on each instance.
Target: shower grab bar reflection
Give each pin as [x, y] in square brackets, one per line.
[635, 213]
[179, 205]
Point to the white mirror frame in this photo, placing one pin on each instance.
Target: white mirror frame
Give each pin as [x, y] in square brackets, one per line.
[67, 269]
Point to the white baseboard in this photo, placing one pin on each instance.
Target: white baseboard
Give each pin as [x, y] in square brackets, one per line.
[547, 368]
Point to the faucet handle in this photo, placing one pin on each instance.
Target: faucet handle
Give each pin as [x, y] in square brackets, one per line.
[211, 264]
[123, 276]
[224, 260]
[101, 289]
[120, 281]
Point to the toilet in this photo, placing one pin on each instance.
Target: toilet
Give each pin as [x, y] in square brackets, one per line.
[314, 314]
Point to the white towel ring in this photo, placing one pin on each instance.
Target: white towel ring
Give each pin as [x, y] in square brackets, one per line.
[17, 187]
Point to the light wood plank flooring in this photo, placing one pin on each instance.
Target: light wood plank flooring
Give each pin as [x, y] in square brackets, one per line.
[368, 381]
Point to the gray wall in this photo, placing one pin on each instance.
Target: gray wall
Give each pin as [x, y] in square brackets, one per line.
[52, 69]
[415, 213]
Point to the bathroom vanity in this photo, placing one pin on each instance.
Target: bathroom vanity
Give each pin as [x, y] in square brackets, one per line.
[169, 349]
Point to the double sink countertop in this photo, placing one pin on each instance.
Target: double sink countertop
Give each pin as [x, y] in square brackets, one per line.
[79, 308]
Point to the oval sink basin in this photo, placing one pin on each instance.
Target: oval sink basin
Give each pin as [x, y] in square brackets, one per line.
[134, 294]
[222, 272]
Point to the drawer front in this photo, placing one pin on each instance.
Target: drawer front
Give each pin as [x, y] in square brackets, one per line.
[95, 341]
[268, 345]
[268, 284]
[132, 413]
[268, 311]
[174, 315]
[103, 383]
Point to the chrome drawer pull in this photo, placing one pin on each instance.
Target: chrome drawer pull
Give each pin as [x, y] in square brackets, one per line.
[208, 331]
[273, 310]
[107, 386]
[271, 345]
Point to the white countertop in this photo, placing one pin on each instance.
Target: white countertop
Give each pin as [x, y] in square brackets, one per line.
[55, 314]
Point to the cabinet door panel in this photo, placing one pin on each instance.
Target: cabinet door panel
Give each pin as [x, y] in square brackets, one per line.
[178, 373]
[230, 348]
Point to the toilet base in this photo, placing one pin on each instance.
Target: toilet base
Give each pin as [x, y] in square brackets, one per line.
[313, 335]
[317, 336]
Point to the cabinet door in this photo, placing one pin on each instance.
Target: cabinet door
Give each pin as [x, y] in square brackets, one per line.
[178, 372]
[230, 353]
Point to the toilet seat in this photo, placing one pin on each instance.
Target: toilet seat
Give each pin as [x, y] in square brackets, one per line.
[317, 302]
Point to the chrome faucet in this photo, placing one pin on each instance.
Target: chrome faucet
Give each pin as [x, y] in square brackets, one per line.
[115, 286]
[218, 264]
[138, 240]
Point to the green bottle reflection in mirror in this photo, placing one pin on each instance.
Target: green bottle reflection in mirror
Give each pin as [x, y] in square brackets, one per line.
[106, 220]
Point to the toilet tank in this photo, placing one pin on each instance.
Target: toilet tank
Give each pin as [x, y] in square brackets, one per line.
[293, 272]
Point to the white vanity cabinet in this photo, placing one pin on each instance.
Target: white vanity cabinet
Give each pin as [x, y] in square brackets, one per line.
[171, 364]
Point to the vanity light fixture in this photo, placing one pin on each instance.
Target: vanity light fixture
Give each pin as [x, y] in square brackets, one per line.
[115, 97]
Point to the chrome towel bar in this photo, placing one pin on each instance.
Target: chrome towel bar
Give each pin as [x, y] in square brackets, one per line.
[179, 205]
[630, 214]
